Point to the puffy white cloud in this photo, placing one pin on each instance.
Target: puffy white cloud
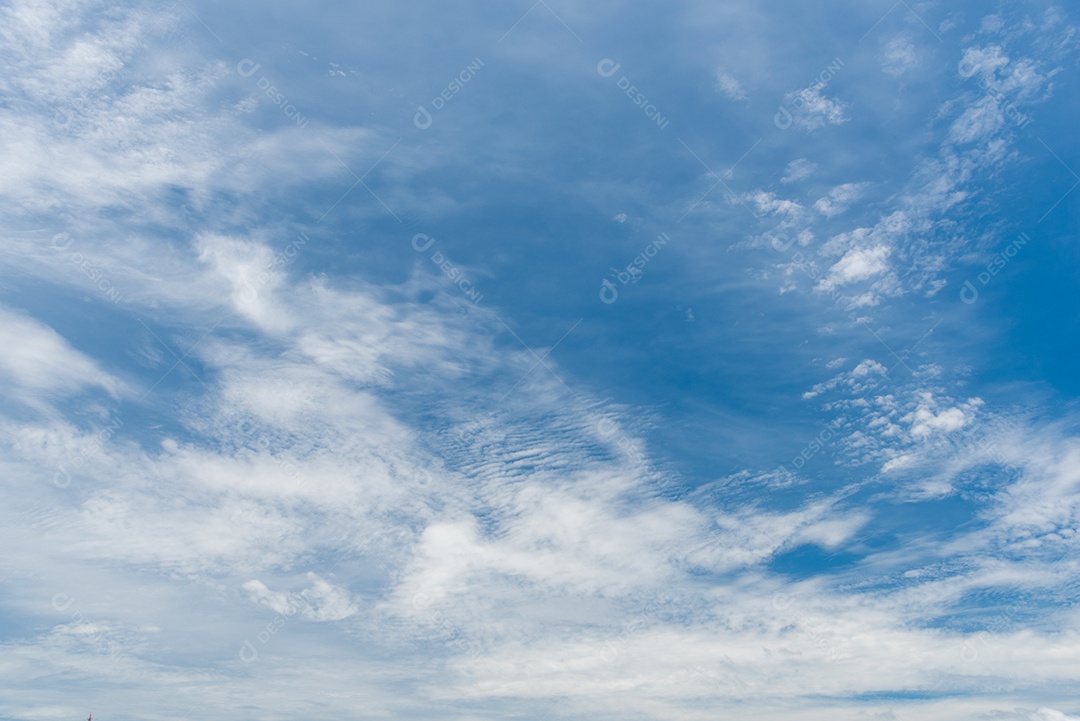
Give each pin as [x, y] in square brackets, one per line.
[857, 265]
[928, 419]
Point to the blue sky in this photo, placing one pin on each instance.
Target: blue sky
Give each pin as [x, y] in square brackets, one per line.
[540, 361]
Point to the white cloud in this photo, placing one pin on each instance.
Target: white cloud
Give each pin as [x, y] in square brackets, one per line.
[797, 170]
[908, 429]
[811, 109]
[322, 601]
[250, 271]
[276, 602]
[980, 122]
[928, 419]
[1049, 714]
[834, 532]
[866, 374]
[1008, 80]
[983, 60]
[770, 204]
[35, 360]
[991, 24]
[729, 86]
[898, 56]
[839, 199]
[994, 101]
[857, 265]
[507, 549]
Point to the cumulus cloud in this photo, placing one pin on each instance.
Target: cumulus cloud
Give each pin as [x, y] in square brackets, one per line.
[928, 418]
[857, 265]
